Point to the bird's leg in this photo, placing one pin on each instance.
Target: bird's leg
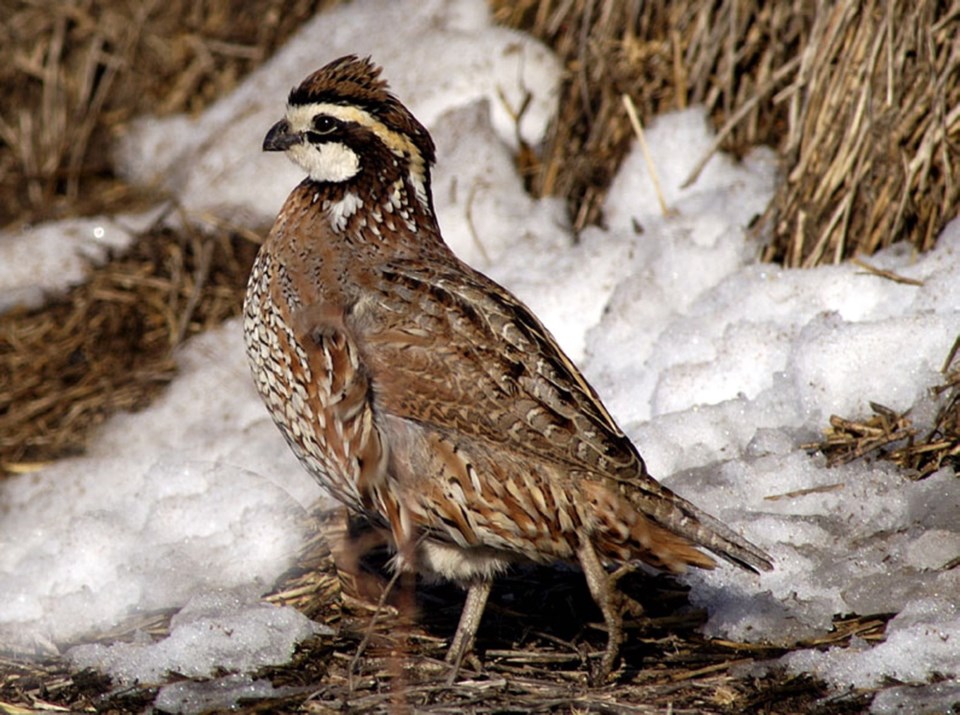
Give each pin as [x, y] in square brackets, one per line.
[351, 539]
[463, 639]
[627, 603]
[605, 594]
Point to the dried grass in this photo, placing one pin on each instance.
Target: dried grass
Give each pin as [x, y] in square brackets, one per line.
[891, 435]
[107, 345]
[872, 147]
[73, 71]
[728, 55]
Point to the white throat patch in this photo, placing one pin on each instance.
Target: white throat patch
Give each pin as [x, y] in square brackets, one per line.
[340, 211]
[329, 162]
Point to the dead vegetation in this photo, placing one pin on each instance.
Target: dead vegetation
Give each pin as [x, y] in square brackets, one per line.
[107, 345]
[871, 153]
[892, 436]
[73, 72]
[729, 56]
[861, 100]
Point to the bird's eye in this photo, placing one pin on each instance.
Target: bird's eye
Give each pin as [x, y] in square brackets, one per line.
[325, 124]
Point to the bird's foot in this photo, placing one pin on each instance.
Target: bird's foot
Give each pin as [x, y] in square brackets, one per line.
[625, 603]
[603, 588]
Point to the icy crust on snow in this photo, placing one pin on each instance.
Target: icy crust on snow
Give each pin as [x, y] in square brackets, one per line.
[39, 261]
[229, 630]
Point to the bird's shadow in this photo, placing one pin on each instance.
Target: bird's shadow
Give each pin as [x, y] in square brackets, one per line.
[537, 616]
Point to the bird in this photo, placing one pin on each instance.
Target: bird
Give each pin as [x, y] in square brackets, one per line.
[426, 397]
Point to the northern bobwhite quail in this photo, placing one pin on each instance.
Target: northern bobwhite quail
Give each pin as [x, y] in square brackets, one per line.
[425, 396]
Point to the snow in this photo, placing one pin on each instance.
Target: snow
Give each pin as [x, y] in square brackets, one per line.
[719, 367]
[228, 630]
[920, 640]
[215, 695]
[39, 260]
[91, 540]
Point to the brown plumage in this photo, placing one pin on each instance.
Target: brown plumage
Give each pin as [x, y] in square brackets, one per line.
[423, 395]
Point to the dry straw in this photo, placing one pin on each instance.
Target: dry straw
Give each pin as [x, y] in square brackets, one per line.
[862, 99]
[872, 148]
[73, 72]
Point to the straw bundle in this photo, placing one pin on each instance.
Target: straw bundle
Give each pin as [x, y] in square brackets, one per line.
[871, 148]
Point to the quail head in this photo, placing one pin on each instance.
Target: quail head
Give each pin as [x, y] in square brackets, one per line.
[422, 394]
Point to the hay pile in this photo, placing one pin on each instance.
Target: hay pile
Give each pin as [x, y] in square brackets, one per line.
[730, 56]
[873, 143]
[862, 99]
[73, 72]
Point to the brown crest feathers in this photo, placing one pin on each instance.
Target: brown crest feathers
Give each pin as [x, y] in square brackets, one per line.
[347, 80]
[355, 81]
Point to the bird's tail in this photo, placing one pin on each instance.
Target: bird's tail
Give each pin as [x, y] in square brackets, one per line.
[677, 515]
[652, 524]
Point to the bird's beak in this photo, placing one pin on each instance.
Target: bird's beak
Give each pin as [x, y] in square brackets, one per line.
[280, 138]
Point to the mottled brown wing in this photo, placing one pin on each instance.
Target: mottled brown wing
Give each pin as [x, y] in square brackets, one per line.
[452, 349]
[457, 351]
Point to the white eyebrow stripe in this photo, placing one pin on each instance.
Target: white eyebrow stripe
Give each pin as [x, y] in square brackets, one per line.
[301, 119]
[399, 144]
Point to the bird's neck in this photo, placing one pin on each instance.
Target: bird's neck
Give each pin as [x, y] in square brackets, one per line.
[385, 217]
